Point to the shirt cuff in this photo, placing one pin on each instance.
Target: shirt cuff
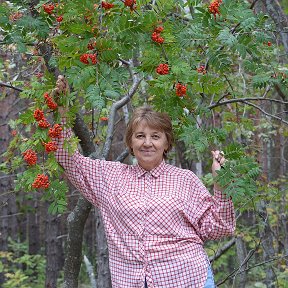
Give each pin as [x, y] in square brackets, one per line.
[220, 195]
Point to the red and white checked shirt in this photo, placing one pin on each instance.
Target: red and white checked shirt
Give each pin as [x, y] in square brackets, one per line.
[155, 221]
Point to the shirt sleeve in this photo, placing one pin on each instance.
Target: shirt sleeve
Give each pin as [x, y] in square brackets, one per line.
[85, 174]
[212, 216]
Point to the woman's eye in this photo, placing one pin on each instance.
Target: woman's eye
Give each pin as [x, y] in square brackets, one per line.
[155, 137]
[139, 136]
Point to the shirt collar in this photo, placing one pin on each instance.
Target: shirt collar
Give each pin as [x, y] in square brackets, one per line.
[155, 172]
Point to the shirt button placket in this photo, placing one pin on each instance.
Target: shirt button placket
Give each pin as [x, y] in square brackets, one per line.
[147, 192]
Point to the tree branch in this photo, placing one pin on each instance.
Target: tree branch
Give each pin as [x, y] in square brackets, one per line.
[266, 113]
[10, 86]
[117, 105]
[244, 100]
[222, 250]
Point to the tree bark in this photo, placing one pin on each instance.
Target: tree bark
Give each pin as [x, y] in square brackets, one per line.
[103, 271]
[53, 250]
[75, 222]
[241, 276]
[281, 20]
[267, 244]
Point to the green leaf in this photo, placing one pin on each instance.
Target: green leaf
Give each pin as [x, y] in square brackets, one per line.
[27, 117]
[227, 38]
[94, 97]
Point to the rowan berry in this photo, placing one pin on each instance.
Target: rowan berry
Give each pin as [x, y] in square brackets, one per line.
[129, 3]
[50, 102]
[214, 7]
[201, 69]
[159, 29]
[13, 133]
[157, 38]
[107, 5]
[38, 114]
[15, 16]
[181, 89]
[162, 69]
[269, 43]
[55, 131]
[39, 75]
[59, 18]
[91, 45]
[50, 146]
[103, 118]
[43, 123]
[30, 157]
[85, 58]
[41, 181]
[93, 58]
[48, 8]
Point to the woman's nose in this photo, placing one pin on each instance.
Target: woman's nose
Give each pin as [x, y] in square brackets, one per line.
[147, 141]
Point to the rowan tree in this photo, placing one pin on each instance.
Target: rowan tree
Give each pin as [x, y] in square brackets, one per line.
[212, 66]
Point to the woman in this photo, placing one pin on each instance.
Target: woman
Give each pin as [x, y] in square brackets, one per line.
[156, 216]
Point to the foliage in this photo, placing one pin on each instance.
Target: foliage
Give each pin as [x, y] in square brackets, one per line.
[236, 40]
[20, 268]
[220, 60]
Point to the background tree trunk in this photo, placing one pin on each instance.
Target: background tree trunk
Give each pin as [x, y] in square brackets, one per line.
[241, 276]
[102, 255]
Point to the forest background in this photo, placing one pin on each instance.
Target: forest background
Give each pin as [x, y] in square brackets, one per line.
[218, 68]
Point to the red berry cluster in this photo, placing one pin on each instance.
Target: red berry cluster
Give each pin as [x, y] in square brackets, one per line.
[13, 133]
[38, 115]
[39, 75]
[103, 118]
[201, 69]
[30, 157]
[48, 8]
[269, 43]
[50, 102]
[181, 89]
[214, 7]
[156, 35]
[41, 181]
[162, 69]
[84, 58]
[15, 16]
[91, 46]
[130, 3]
[59, 18]
[50, 146]
[55, 131]
[107, 5]
[43, 123]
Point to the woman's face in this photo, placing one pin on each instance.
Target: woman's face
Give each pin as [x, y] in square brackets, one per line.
[148, 145]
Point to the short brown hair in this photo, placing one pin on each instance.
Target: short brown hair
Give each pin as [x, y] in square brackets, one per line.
[157, 120]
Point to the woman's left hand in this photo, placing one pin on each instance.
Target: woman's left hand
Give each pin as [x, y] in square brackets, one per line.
[218, 161]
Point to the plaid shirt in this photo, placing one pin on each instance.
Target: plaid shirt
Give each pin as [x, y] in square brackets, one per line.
[155, 221]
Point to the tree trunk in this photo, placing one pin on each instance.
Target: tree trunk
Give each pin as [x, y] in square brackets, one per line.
[53, 251]
[75, 222]
[103, 272]
[33, 228]
[280, 19]
[241, 276]
[267, 244]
